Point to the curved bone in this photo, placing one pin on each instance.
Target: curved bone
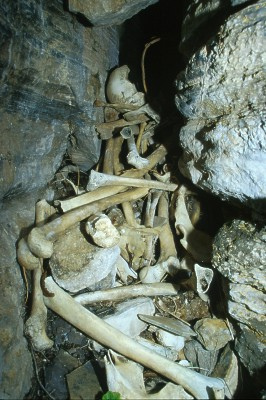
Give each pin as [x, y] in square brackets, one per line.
[25, 257]
[198, 385]
[41, 239]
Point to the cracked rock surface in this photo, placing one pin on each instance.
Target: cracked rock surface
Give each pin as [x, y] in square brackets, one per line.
[220, 93]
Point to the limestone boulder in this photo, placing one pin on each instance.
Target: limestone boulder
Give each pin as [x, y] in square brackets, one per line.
[111, 12]
[221, 95]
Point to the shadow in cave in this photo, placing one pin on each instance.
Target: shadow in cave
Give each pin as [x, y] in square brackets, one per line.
[162, 62]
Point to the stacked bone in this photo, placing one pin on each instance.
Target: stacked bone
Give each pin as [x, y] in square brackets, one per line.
[143, 194]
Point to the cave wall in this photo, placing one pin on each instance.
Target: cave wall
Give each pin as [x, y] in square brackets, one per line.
[52, 68]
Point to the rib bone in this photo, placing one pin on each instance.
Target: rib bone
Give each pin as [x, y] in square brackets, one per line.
[63, 304]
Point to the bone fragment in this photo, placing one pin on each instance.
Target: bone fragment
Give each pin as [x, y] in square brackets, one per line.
[102, 231]
[41, 239]
[155, 273]
[204, 278]
[154, 158]
[106, 129]
[125, 292]
[124, 270]
[98, 179]
[198, 385]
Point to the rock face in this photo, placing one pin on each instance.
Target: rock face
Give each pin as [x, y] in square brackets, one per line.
[51, 69]
[111, 12]
[199, 13]
[220, 93]
[240, 256]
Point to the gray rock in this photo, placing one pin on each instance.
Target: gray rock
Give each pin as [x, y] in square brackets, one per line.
[111, 12]
[213, 333]
[239, 253]
[84, 382]
[251, 349]
[200, 357]
[52, 70]
[77, 264]
[54, 374]
[221, 93]
[202, 17]
[16, 369]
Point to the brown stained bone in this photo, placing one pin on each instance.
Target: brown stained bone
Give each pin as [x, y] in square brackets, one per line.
[126, 292]
[200, 386]
[40, 239]
[118, 167]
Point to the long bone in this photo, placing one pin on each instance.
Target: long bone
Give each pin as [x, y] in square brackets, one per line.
[154, 158]
[41, 239]
[99, 179]
[200, 386]
[118, 167]
[35, 326]
[125, 292]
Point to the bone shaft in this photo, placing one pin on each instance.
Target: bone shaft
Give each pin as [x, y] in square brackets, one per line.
[64, 305]
[108, 162]
[125, 292]
[60, 224]
[135, 182]
[166, 238]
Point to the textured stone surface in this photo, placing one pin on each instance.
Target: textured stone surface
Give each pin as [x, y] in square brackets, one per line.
[52, 68]
[15, 360]
[201, 18]
[239, 253]
[102, 12]
[221, 93]
[213, 333]
[77, 264]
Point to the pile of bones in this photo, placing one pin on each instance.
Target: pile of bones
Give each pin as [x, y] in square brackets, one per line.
[119, 224]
